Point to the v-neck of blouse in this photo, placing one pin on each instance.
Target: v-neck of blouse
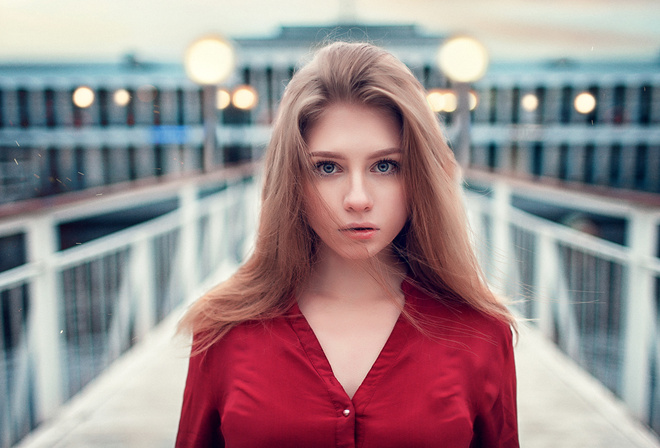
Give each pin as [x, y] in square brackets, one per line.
[383, 363]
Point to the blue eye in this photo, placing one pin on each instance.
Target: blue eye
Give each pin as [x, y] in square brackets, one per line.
[386, 166]
[383, 167]
[326, 167]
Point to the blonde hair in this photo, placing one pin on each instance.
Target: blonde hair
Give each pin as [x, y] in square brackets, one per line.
[435, 242]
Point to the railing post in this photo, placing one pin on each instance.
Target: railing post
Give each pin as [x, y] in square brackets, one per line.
[189, 239]
[501, 236]
[45, 331]
[545, 280]
[640, 313]
[143, 275]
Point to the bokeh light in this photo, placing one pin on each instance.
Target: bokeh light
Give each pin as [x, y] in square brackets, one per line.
[473, 100]
[436, 100]
[83, 97]
[222, 99]
[244, 97]
[585, 103]
[209, 60]
[146, 93]
[442, 100]
[463, 59]
[121, 97]
[529, 102]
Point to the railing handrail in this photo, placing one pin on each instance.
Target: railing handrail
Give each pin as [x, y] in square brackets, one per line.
[74, 311]
[596, 299]
[118, 240]
[18, 275]
[560, 232]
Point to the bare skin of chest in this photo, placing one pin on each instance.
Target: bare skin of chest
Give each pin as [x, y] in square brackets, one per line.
[351, 337]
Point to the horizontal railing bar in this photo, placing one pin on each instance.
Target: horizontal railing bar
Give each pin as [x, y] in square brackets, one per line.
[16, 276]
[14, 226]
[563, 234]
[571, 237]
[125, 238]
[119, 240]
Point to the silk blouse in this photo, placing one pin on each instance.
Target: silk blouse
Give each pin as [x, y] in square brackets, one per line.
[269, 384]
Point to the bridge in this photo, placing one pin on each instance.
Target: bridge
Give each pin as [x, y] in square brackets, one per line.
[89, 357]
[111, 223]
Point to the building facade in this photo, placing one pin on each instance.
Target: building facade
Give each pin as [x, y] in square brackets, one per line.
[145, 120]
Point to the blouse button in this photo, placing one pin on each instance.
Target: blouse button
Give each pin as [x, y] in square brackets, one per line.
[346, 412]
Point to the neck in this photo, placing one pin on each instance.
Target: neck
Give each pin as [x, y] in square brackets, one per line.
[352, 281]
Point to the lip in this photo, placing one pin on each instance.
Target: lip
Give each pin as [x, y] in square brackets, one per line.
[360, 231]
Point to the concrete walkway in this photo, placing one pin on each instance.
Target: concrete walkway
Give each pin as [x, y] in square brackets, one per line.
[136, 402]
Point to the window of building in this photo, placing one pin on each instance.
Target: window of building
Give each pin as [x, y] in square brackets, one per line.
[492, 156]
[49, 98]
[537, 159]
[23, 108]
[180, 114]
[563, 161]
[645, 104]
[619, 111]
[566, 105]
[615, 165]
[492, 116]
[641, 166]
[588, 174]
[541, 94]
[104, 116]
[515, 105]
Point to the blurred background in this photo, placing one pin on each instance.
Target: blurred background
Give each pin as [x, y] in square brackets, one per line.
[127, 177]
[78, 30]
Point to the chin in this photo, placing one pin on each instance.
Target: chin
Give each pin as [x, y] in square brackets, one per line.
[363, 253]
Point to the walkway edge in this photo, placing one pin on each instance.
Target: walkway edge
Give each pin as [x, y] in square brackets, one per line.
[82, 406]
[589, 389]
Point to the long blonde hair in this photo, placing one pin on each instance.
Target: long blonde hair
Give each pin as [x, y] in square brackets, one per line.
[434, 244]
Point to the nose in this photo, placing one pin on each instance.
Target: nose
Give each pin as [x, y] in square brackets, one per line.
[358, 196]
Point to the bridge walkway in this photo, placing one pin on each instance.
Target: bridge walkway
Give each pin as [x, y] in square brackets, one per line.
[136, 402]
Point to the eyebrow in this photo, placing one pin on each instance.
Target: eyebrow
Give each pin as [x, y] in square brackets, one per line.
[374, 155]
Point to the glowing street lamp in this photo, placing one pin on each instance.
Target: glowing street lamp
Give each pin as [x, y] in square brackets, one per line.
[463, 60]
[530, 102]
[223, 99]
[584, 103]
[121, 97]
[209, 61]
[83, 97]
[244, 97]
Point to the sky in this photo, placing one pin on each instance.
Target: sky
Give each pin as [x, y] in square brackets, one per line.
[160, 30]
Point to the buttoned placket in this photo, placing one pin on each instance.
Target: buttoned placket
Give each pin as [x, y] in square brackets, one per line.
[346, 414]
[346, 425]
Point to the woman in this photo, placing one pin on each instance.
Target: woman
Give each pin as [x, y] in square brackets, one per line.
[361, 318]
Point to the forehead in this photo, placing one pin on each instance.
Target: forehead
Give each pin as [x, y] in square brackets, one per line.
[345, 126]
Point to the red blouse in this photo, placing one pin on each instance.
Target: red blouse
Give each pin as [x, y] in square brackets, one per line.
[270, 385]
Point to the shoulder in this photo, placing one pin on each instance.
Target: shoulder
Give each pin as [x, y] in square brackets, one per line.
[248, 338]
[458, 323]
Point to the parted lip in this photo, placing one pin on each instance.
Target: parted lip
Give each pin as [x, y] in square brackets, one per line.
[359, 226]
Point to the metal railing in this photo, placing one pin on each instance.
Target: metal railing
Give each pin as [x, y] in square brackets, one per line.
[66, 315]
[598, 301]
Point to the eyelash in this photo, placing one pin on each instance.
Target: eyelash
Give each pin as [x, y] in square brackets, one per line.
[394, 166]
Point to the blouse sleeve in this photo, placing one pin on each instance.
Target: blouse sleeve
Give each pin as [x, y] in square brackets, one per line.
[199, 425]
[498, 426]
